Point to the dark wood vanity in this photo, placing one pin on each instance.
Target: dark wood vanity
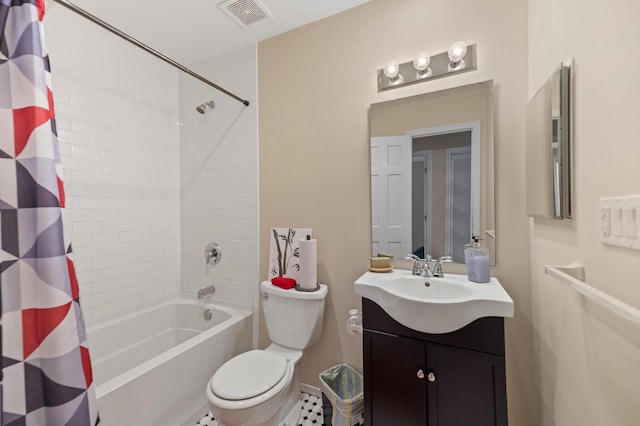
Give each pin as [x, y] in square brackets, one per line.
[416, 379]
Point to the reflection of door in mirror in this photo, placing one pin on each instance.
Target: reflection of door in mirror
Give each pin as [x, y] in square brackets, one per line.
[447, 193]
[391, 195]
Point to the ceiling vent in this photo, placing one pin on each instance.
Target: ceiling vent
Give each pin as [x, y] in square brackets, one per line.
[245, 12]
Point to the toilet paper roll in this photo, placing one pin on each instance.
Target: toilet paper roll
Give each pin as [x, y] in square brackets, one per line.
[308, 275]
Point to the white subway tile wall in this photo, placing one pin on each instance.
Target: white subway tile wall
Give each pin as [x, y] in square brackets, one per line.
[117, 118]
[219, 183]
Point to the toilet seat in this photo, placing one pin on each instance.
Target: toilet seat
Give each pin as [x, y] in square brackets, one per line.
[258, 359]
[248, 375]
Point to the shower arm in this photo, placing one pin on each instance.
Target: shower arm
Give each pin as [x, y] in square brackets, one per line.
[143, 46]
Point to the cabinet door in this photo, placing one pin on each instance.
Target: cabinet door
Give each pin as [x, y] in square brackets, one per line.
[394, 394]
[468, 387]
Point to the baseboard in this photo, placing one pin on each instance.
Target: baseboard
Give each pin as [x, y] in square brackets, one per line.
[311, 390]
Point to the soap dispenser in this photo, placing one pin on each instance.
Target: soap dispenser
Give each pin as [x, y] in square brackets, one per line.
[477, 260]
[467, 250]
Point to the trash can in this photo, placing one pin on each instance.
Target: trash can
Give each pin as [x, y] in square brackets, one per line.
[343, 388]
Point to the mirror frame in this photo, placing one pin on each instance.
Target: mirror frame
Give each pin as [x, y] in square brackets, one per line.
[486, 199]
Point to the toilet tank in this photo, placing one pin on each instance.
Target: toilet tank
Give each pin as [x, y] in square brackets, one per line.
[294, 318]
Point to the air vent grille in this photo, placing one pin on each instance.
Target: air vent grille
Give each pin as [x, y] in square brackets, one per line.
[245, 12]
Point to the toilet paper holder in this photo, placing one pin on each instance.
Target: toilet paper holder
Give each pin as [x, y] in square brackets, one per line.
[354, 322]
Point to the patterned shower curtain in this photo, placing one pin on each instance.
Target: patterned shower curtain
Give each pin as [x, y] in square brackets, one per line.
[46, 369]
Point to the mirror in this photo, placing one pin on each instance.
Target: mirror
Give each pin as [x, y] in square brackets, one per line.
[432, 184]
[548, 148]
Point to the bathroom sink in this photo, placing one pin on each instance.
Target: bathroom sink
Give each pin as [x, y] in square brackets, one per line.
[434, 305]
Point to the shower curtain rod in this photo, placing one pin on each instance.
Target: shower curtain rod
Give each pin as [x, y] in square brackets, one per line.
[143, 46]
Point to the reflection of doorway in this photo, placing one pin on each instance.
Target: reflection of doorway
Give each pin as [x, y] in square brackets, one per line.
[441, 194]
[421, 203]
[452, 207]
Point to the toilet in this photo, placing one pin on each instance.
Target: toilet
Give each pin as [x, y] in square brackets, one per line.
[261, 387]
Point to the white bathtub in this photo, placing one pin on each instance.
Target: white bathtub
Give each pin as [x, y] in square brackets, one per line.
[151, 367]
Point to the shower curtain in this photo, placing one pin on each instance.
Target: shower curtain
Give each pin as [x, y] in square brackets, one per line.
[46, 369]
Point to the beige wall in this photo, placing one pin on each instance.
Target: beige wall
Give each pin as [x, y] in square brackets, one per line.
[315, 85]
[587, 360]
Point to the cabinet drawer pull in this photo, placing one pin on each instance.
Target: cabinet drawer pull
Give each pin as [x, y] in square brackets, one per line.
[420, 374]
[431, 377]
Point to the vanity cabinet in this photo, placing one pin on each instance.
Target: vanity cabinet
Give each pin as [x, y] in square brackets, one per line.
[416, 379]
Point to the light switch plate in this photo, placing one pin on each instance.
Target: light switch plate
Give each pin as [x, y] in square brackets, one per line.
[605, 222]
[618, 221]
[629, 222]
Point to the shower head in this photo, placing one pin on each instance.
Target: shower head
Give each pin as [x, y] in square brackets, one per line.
[202, 108]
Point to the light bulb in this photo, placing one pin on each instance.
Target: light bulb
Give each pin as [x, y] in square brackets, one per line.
[422, 61]
[421, 64]
[392, 70]
[457, 51]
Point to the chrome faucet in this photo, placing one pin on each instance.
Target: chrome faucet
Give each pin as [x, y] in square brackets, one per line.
[437, 269]
[206, 291]
[420, 266]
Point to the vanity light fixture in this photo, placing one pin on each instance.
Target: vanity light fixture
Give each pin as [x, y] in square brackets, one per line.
[421, 64]
[459, 58]
[392, 72]
[456, 54]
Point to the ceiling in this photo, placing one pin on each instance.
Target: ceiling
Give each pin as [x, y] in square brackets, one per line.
[194, 30]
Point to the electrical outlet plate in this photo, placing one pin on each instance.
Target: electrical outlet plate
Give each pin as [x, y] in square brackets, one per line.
[619, 221]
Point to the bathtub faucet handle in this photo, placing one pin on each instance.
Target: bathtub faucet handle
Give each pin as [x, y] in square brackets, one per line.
[212, 254]
[206, 291]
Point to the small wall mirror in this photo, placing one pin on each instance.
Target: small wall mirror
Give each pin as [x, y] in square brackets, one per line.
[432, 185]
[548, 148]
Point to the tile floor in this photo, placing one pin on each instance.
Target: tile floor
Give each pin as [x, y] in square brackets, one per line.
[310, 414]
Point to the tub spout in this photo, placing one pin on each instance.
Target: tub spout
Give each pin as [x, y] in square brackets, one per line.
[206, 291]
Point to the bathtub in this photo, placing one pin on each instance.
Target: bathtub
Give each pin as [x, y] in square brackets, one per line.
[151, 367]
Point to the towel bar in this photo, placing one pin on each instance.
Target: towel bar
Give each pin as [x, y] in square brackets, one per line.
[573, 275]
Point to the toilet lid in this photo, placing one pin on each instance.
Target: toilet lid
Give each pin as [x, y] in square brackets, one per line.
[247, 375]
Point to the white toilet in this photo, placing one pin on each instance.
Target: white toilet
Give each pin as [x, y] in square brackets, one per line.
[261, 387]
